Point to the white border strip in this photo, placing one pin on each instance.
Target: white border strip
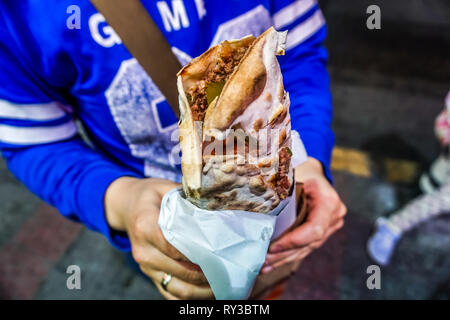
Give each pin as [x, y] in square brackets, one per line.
[291, 12]
[38, 111]
[36, 135]
[305, 30]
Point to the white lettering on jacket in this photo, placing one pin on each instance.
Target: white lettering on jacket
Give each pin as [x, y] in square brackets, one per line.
[175, 18]
[109, 38]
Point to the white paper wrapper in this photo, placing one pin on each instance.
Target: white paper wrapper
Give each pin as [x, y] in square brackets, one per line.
[230, 246]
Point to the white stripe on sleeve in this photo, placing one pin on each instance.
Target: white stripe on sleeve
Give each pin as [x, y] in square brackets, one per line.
[304, 30]
[36, 135]
[39, 111]
[291, 12]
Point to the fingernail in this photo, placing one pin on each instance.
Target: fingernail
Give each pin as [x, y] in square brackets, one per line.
[277, 248]
[267, 269]
[269, 256]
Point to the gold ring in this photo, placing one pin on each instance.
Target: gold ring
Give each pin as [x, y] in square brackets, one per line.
[165, 280]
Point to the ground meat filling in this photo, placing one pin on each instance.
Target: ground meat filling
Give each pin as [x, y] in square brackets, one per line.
[199, 102]
[203, 92]
[280, 181]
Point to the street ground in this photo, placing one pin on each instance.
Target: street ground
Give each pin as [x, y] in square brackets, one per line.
[388, 86]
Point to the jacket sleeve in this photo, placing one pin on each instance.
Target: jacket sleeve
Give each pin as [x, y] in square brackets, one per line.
[71, 177]
[39, 140]
[305, 75]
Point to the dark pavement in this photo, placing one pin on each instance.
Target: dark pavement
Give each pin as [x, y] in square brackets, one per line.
[388, 86]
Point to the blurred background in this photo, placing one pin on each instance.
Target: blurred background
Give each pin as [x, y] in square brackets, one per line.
[388, 86]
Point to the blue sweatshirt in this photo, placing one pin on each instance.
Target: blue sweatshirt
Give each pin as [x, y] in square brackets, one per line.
[62, 66]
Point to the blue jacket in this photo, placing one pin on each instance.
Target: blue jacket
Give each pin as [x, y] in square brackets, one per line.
[62, 65]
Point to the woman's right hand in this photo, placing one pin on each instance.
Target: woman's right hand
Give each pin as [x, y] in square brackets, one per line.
[132, 205]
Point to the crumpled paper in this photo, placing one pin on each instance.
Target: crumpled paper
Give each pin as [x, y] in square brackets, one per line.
[230, 246]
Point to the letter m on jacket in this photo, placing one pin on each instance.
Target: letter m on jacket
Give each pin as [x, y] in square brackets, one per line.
[173, 18]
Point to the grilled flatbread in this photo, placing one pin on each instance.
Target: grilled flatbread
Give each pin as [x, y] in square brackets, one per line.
[235, 132]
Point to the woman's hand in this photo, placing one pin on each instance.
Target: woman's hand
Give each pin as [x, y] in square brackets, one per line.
[133, 205]
[325, 213]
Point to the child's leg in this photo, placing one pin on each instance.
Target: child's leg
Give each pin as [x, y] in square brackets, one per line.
[436, 185]
[439, 171]
[422, 209]
[389, 230]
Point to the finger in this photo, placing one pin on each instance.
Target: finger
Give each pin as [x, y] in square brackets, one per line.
[277, 260]
[272, 258]
[165, 247]
[167, 295]
[300, 255]
[315, 245]
[274, 261]
[154, 276]
[156, 260]
[339, 214]
[181, 289]
[146, 229]
[297, 257]
[312, 230]
[338, 225]
[342, 210]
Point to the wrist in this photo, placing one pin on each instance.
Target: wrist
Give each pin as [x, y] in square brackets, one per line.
[117, 201]
[311, 168]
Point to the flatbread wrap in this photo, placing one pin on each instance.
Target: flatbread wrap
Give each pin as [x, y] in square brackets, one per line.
[235, 131]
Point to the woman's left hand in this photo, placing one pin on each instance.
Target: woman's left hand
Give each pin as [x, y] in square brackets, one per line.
[325, 213]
